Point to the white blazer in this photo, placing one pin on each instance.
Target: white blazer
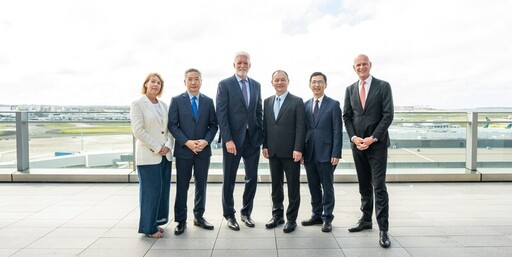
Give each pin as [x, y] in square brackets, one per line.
[150, 130]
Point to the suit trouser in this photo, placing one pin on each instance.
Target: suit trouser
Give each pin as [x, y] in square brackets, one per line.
[371, 174]
[183, 176]
[320, 178]
[278, 168]
[251, 156]
[154, 193]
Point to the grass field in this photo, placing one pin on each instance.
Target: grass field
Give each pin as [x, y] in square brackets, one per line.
[96, 130]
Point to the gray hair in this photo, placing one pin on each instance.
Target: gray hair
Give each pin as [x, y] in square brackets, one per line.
[242, 53]
[192, 70]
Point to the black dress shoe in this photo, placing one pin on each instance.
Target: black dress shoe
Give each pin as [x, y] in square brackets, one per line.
[201, 222]
[384, 239]
[233, 225]
[272, 223]
[311, 221]
[361, 225]
[248, 221]
[180, 228]
[327, 226]
[289, 226]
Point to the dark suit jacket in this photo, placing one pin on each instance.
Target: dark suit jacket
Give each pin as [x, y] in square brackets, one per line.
[377, 116]
[287, 133]
[233, 114]
[183, 126]
[323, 137]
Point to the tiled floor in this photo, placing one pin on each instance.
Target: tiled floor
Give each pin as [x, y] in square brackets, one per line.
[426, 219]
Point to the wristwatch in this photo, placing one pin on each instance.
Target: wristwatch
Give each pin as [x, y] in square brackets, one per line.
[375, 139]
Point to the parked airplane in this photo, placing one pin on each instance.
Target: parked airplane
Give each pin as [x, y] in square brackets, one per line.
[496, 125]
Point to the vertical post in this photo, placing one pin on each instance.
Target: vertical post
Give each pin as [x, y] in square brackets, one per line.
[472, 141]
[22, 141]
[133, 153]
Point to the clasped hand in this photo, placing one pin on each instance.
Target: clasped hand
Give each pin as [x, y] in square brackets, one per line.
[164, 150]
[362, 143]
[196, 145]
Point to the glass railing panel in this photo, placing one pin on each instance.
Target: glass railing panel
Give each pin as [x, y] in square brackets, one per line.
[428, 140]
[91, 141]
[495, 140]
[7, 140]
[104, 140]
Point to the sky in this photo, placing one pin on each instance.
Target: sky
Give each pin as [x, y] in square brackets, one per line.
[446, 54]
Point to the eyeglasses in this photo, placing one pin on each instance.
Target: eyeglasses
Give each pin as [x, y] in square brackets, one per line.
[319, 82]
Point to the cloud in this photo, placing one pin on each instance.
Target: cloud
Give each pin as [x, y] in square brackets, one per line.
[446, 54]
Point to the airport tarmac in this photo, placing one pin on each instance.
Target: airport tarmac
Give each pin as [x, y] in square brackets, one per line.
[48, 146]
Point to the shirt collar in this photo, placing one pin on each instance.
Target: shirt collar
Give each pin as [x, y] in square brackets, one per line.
[319, 99]
[368, 81]
[191, 95]
[238, 78]
[283, 96]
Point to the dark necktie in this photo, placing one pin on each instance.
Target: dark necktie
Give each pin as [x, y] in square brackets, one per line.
[315, 110]
[194, 107]
[244, 92]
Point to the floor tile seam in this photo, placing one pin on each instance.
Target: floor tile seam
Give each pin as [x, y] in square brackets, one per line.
[216, 237]
[107, 231]
[42, 236]
[95, 205]
[275, 242]
[121, 219]
[8, 225]
[337, 242]
[151, 246]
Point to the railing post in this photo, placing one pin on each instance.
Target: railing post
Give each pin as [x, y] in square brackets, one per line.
[22, 141]
[134, 140]
[472, 141]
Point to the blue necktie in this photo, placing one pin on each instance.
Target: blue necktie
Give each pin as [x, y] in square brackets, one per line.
[194, 107]
[277, 106]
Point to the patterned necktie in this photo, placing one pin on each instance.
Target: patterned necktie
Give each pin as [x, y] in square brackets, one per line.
[194, 107]
[362, 94]
[315, 110]
[244, 92]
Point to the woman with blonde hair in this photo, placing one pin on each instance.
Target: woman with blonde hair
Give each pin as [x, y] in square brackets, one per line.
[153, 156]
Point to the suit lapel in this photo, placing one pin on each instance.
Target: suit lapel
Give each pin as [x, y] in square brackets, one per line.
[371, 93]
[323, 106]
[151, 108]
[271, 107]
[238, 90]
[284, 106]
[252, 91]
[164, 113]
[309, 112]
[201, 108]
[188, 105]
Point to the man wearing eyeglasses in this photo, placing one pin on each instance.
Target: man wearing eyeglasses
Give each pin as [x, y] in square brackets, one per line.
[322, 151]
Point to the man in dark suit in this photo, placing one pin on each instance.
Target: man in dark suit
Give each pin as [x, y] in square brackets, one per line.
[322, 151]
[368, 112]
[284, 131]
[193, 123]
[239, 112]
